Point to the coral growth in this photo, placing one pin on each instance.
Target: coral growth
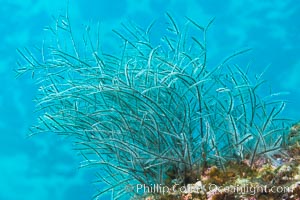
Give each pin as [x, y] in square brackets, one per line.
[153, 113]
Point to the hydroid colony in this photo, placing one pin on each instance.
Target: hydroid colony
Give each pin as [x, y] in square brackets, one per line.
[151, 114]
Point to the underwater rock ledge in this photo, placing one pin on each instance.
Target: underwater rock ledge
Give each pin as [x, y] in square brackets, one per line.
[265, 181]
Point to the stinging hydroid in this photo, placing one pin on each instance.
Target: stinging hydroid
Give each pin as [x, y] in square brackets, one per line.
[151, 112]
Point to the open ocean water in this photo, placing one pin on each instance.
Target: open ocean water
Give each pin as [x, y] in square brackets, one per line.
[45, 167]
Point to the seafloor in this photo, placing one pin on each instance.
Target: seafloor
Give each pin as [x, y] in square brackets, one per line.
[273, 178]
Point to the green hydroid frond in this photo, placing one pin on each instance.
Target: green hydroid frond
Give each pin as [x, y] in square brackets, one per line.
[151, 108]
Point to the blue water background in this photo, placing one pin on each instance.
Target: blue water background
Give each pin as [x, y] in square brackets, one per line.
[45, 167]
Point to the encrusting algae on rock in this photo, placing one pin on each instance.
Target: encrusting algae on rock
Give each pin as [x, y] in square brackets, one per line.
[265, 180]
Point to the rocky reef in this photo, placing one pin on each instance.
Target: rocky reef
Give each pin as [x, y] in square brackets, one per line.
[265, 180]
